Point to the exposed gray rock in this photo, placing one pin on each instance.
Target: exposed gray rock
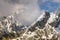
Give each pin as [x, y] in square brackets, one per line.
[41, 24]
[57, 21]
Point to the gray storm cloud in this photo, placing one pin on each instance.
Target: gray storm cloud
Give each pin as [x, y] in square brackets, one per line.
[56, 1]
[5, 8]
[12, 1]
[27, 10]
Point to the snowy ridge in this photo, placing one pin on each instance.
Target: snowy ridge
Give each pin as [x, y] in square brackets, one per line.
[41, 29]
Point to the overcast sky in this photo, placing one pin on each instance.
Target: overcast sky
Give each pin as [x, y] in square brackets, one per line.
[27, 10]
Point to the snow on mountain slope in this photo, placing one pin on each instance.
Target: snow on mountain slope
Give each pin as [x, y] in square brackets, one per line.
[52, 17]
[45, 27]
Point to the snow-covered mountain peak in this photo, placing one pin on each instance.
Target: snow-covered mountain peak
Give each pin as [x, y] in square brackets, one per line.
[44, 27]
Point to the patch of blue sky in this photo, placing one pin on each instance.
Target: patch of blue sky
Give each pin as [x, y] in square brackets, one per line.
[49, 6]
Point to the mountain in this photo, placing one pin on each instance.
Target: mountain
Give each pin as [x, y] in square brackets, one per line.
[53, 19]
[44, 28]
[41, 21]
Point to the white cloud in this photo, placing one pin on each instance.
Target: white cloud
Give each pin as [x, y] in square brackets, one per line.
[56, 0]
[28, 10]
[27, 13]
[5, 8]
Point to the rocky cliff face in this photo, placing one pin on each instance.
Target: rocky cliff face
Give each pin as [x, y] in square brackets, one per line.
[40, 22]
[44, 28]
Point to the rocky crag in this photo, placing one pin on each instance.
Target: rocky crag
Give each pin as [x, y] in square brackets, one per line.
[44, 28]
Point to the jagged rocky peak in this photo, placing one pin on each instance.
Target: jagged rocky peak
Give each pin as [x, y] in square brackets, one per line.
[54, 19]
[10, 27]
[41, 29]
[9, 24]
[41, 21]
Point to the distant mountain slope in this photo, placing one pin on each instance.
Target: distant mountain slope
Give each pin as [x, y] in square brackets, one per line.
[43, 28]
